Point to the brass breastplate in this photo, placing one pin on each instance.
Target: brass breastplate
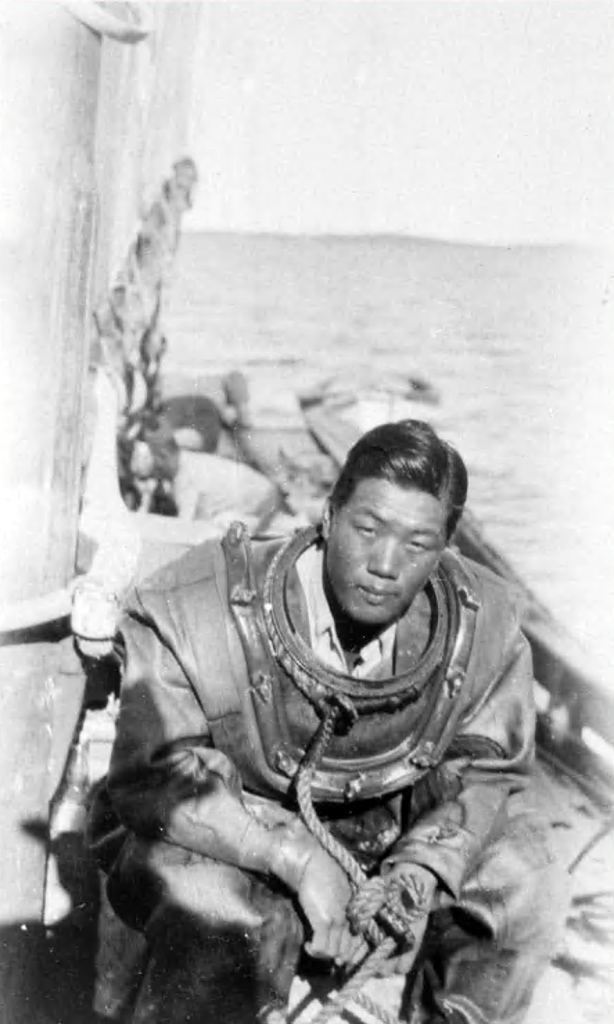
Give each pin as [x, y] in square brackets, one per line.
[403, 723]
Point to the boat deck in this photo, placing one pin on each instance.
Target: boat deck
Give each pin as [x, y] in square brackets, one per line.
[86, 958]
[82, 964]
[578, 988]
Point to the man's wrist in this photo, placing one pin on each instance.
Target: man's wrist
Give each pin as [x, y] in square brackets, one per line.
[419, 879]
[292, 848]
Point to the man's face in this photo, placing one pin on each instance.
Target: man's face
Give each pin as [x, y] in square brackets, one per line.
[381, 547]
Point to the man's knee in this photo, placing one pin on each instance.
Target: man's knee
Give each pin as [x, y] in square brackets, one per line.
[191, 967]
[151, 877]
[519, 891]
[208, 925]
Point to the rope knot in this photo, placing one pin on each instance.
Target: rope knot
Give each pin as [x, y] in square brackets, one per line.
[389, 902]
[402, 908]
[344, 710]
[366, 902]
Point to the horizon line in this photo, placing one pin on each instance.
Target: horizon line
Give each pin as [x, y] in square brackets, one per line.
[398, 236]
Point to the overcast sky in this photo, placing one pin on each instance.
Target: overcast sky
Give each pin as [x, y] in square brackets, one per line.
[460, 119]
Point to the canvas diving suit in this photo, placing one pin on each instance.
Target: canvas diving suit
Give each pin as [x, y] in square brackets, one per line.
[219, 703]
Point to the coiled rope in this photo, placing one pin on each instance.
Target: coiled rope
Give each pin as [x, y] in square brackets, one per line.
[369, 895]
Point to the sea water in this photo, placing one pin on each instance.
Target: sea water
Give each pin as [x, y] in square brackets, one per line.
[518, 342]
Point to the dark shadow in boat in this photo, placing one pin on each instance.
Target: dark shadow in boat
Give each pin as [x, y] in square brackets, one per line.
[49, 971]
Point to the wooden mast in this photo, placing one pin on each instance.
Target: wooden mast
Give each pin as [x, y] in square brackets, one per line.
[49, 64]
[67, 213]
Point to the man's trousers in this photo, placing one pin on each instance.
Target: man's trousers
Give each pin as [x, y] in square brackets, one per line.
[224, 945]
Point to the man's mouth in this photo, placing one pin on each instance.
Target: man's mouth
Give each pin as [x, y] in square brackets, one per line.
[375, 596]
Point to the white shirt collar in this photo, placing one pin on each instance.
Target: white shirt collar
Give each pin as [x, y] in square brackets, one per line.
[323, 634]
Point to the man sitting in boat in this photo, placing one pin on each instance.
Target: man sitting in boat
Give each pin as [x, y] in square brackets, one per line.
[324, 751]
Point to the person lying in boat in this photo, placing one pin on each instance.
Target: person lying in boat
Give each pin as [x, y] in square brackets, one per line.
[148, 464]
[199, 419]
[327, 733]
[217, 478]
[168, 449]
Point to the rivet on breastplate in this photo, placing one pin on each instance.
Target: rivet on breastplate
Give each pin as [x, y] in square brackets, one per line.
[424, 758]
[263, 686]
[242, 595]
[454, 680]
[353, 788]
[283, 761]
[467, 599]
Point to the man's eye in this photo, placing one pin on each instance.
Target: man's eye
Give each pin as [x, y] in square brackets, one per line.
[416, 545]
[366, 531]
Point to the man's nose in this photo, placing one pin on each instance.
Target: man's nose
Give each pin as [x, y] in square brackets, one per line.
[384, 558]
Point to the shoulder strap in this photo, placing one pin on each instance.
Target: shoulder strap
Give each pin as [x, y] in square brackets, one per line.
[231, 686]
[214, 664]
[442, 723]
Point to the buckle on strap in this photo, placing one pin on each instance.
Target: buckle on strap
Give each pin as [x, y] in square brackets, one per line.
[456, 673]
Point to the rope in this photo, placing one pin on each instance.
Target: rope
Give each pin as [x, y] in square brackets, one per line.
[369, 894]
[352, 991]
[94, 16]
[303, 793]
[376, 909]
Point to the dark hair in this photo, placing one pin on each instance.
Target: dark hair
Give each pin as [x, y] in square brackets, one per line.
[159, 437]
[410, 454]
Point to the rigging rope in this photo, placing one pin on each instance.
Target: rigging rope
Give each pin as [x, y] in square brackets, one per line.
[93, 15]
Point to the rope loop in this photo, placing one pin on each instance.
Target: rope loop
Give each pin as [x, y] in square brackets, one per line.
[330, 714]
[346, 714]
[400, 912]
[366, 902]
[389, 903]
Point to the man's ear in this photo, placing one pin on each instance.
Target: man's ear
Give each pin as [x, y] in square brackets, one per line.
[327, 517]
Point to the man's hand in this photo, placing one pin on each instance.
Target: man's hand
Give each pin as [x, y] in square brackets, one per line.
[94, 616]
[419, 883]
[399, 902]
[411, 889]
[324, 894]
[323, 891]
